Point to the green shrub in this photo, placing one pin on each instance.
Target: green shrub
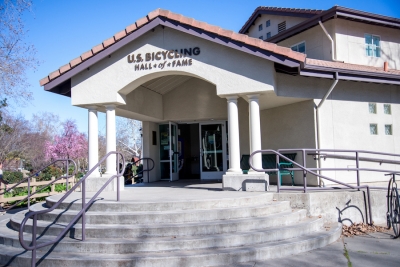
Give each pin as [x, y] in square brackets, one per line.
[12, 177]
[49, 172]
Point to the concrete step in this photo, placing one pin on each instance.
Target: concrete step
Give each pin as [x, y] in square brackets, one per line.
[123, 246]
[164, 229]
[157, 217]
[114, 206]
[202, 257]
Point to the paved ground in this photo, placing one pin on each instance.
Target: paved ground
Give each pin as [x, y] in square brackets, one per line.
[377, 249]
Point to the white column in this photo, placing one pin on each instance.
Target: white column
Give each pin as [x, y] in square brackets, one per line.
[233, 133]
[255, 130]
[93, 134]
[111, 139]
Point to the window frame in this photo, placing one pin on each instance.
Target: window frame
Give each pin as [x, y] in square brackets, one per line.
[390, 109]
[372, 45]
[375, 108]
[305, 46]
[283, 22]
[391, 129]
[260, 27]
[261, 37]
[270, 35]
[268, 23]
[376, 125]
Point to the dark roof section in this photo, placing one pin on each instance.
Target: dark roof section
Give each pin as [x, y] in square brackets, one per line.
[337, 12]
[179, 22]
[279, 11]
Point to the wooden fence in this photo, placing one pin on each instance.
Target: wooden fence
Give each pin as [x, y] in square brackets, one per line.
[34, 186]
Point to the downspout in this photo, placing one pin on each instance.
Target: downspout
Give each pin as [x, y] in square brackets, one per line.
[318, 122]
[332, 43]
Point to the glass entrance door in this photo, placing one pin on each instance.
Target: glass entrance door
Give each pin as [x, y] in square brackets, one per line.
[212, 150]
[169, 151]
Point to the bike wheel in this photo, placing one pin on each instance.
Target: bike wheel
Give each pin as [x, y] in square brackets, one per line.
[395, 212]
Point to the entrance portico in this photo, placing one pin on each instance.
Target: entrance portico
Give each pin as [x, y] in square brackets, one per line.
[166, 74]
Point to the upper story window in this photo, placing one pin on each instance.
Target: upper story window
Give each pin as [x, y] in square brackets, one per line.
[387, 109]
[261, 37]
[281, 26]
[268, 35]
[372, 45]
[372, 108]
[260, 27]
[268, 23]
[300, 47]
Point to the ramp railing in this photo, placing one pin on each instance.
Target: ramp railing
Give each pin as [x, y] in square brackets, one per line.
[316, 153]
[28, 180]
[33, 215]
[148, 169]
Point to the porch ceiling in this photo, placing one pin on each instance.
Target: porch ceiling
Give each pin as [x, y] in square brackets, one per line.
[165, 84]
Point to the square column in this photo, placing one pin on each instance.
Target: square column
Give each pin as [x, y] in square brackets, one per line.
[255, 130]
[93, 136]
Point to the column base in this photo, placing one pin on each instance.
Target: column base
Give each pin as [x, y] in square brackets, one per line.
[253, 182]
[93, 184]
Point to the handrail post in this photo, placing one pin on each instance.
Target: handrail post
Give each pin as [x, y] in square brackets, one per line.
[369, 206]
[278, 181]
[358, 169]
[118, 172]
[34, 226]
[83, 188]
[29, 192]
[304, 172]
[66, 183]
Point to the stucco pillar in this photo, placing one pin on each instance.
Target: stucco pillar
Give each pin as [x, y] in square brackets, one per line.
[111, 139]
[255, 130]
[93, 132]
[233, 134]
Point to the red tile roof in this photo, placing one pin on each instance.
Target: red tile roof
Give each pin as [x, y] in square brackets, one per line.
[184, 20]
[348, 66]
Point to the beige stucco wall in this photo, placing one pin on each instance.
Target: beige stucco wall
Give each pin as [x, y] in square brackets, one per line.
[345, 125]
[275, 20]
[150, 150]
[350, 43]
[318, 45]
[290, 126]
[230, 70]
[194, 100]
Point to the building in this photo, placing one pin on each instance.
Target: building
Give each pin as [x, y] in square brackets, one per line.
[209, 96]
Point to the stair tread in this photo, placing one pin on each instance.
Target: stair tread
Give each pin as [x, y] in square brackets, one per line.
[18, 217]
[38, 207]
[10, 233]
[168, 254]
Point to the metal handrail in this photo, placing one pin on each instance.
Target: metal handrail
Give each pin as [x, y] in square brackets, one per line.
[145, 170]
[28, 179]
[34, 246]
[311, 171]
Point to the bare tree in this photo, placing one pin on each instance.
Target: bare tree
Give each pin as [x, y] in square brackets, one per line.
[129, 137]
[16, 56]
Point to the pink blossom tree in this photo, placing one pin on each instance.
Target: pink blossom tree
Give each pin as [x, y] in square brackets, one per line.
[71, 144]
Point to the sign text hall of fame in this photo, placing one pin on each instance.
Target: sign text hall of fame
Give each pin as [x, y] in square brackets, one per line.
[163, 59]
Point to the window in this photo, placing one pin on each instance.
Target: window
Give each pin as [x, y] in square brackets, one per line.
[388, 129]
[373, 129]
[387, 109]
[260, 27]
[268, 35]
[372, 45]
[268, 23]
[261, 37]
[301, 47]
[372, 108]
[281, 26]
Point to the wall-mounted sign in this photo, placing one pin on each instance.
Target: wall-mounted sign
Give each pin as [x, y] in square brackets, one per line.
[163, 59]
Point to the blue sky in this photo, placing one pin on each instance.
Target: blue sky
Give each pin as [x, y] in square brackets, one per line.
[63, 30]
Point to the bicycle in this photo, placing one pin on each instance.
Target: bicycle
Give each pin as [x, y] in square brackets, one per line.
[393, 206]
